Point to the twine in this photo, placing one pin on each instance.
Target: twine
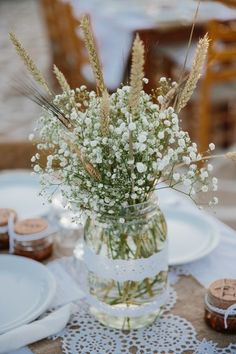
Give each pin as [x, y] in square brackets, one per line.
[3, 229]
[230, 311]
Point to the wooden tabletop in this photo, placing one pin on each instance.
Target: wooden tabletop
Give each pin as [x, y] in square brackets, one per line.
[189, 305]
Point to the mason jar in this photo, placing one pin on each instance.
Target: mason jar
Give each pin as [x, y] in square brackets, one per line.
[126, 257]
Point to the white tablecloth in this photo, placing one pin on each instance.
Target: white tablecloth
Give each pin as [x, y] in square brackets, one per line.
[114, 22]
[219, 264]
[21, 351]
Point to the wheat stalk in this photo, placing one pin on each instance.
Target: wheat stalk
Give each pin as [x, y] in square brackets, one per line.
[105, 113]
[172, 93]
[89, 168]
[137, 74]
[189, 44]
[29, 63]
[92, 52]
[136, 85]
[92, 171]
[61, 79]
[195, 73]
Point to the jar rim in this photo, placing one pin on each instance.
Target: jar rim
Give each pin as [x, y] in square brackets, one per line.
[131, 212]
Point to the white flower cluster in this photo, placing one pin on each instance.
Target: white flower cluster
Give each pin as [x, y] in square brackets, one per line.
[137, 153]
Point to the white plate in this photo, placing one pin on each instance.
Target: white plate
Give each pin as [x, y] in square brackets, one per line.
[19, 190]
[191, 235]
[27, 289]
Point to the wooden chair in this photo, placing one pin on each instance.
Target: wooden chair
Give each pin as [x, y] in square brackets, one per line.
[231, 3]
[196, 117]
[50, 10]
[220, 75]
[157, 63]
[68, 51]
[16, 154]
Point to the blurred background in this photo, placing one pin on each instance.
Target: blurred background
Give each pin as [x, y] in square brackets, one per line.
[49, 30]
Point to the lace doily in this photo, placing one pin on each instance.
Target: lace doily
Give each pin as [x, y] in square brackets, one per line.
[172, 298]
[206, 347]
[175, 273]
[169, 333]
[85, 334]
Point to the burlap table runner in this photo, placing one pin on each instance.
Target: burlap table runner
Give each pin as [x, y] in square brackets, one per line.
[190, 305]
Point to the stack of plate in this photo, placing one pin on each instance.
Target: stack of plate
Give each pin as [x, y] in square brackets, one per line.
[27, 290]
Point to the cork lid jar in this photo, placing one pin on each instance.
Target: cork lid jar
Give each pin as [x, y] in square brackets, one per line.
[5, 214]
[30, 226]
[220, 305]
[33, 238]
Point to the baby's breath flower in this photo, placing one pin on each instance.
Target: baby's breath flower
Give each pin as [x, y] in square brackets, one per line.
[204, 188]
[187, 160]
[163, 79]
[176, 177]
[161, 135]
[141, 167]
[215, 200]
[142, 137]
[103, 173]
[37, 168]
[122, 220]
[132, 126]
[209, 167]
[212, 146]
[160, 99]
[214, 180]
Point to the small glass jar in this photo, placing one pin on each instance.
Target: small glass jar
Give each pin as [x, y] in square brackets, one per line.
[5, 214]
[70, 232]
[220, 297]
[33, 239]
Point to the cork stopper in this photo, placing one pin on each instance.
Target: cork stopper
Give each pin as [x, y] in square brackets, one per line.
[5, 214]
[222, 293]
[30, 226]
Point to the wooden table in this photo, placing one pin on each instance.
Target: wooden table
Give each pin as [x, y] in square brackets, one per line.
[190, 305]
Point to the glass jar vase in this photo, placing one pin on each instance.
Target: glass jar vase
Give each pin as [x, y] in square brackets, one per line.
[127, 262]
